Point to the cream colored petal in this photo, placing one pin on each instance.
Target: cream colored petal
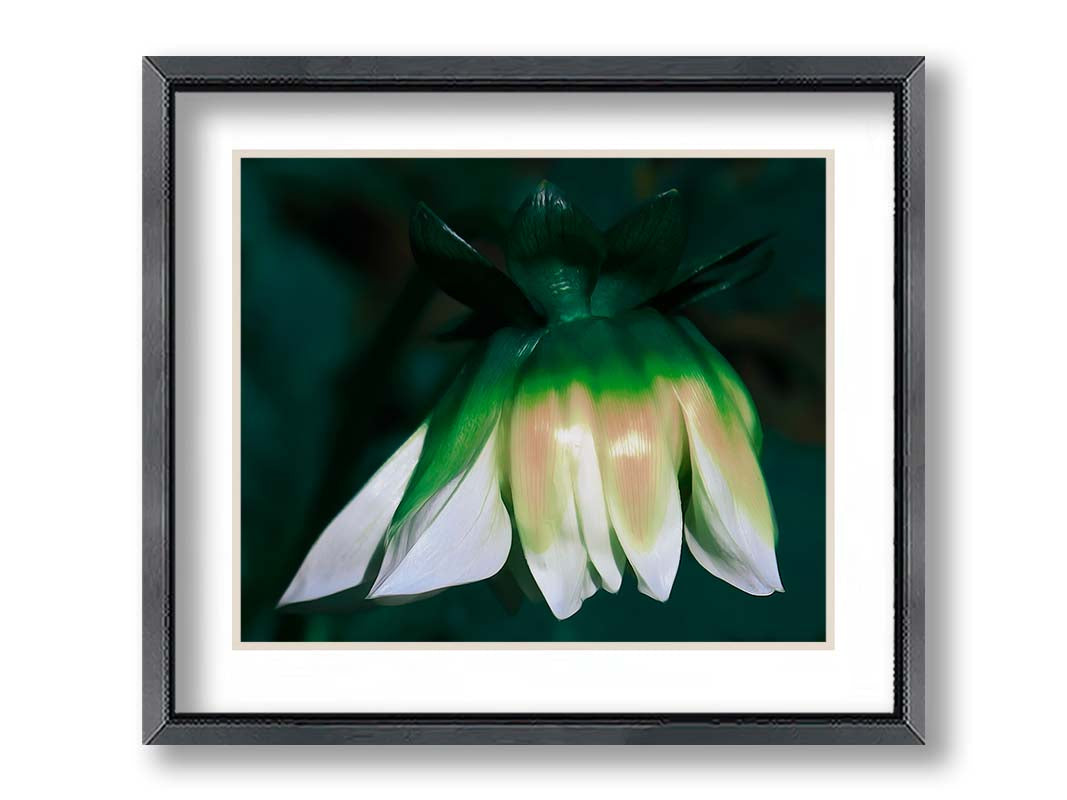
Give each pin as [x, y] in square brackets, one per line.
[732, 523]
[741, 399]
[461, 535]
[641, 488]
[543, 500]
[340, 556]
[728, 379]
[671, 422]
[606, 555]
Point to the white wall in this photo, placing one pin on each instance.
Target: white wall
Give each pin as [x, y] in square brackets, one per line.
[70, 421]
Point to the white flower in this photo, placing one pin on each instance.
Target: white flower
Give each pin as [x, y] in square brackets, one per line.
[586, 439]
[592, 426]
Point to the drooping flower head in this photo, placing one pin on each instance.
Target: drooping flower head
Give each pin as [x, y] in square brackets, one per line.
[591, 425]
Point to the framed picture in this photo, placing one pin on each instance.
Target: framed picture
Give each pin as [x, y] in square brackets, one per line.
[533, 400]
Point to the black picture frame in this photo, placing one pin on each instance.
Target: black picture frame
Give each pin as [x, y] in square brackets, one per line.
[163, 78]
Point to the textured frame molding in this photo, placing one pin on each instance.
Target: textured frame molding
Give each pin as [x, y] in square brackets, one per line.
[163, 78]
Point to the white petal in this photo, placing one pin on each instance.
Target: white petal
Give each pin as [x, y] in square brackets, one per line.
[607, 556]
[460, 535]
[339, 558]
[657, 568]
[589, 586]
[712, 547]
[731, 521]
[562, 570]
[404, 599]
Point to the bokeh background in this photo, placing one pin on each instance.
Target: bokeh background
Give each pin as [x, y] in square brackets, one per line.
[339, 364]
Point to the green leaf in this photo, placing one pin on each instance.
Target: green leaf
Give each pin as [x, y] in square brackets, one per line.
[643, 251]
[554, 253]
[462, 272]
[463, 419]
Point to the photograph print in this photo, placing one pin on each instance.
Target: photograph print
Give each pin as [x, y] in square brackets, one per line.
[547, 400]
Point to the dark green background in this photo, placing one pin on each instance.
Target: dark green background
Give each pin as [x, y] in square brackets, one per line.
[339, 365]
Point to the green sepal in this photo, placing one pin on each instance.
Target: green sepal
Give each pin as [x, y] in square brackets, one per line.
[643, 250]
[727, 271]
[709, 270]
[469, 326]
[554, 254]
[463, 419]
[462, 272]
